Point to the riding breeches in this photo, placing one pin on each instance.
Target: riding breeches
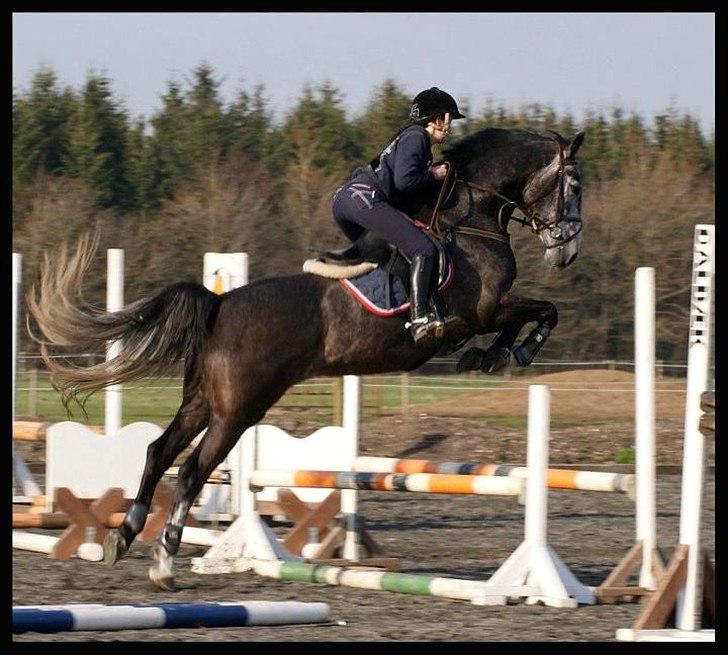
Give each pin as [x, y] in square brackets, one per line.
[357, 208]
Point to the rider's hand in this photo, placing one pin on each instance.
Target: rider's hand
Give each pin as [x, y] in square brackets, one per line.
[439, 171]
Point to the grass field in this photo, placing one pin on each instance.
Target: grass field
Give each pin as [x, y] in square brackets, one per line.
[581, 397]
[158, 400]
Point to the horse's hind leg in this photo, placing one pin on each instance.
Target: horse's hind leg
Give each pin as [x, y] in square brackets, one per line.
[222, 434]
[190, 420]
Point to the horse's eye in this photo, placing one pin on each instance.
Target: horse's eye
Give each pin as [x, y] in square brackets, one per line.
[575, 185]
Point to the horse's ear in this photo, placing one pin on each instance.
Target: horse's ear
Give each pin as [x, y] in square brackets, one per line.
[574, 145]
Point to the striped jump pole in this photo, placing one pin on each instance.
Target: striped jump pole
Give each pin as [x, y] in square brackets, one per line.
[438, 483]
[63, 618]
[555, 478]
[403, 583]
[533, 571]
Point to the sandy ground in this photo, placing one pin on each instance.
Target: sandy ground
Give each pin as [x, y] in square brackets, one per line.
[435, 534]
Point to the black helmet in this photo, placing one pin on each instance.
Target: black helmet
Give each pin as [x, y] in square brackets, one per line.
[432, 102]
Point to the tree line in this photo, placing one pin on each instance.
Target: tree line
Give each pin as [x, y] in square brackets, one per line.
[202, 174]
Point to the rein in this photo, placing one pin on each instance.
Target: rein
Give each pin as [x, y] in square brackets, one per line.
[533, 219]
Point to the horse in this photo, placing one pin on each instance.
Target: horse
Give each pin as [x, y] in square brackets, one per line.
[243, 349]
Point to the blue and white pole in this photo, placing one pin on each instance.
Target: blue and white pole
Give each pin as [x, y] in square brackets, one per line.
[62, 618]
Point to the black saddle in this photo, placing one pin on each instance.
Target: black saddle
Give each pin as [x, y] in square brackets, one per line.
[371, 248]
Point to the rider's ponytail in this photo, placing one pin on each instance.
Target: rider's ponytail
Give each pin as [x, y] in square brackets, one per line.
[375, 162]
[410, 122]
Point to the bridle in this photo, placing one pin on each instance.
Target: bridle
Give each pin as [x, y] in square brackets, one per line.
[532, 218]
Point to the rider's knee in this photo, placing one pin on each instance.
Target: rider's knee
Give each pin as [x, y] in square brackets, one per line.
[426, 249]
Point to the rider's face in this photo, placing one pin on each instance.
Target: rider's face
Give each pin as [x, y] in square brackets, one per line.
[440, 128]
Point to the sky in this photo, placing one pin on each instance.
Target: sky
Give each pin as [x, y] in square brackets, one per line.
[573, 62]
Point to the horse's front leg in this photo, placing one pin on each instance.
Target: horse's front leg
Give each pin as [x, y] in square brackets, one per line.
[512, 314]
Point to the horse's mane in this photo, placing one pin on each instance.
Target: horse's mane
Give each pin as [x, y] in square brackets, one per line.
[481, 144]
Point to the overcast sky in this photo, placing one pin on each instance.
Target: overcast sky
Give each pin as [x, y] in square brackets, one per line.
[641, 62]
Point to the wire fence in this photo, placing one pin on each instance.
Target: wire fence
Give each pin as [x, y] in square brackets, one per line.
[158, 399]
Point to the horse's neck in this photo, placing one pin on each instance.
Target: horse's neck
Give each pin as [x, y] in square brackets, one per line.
[473, 209]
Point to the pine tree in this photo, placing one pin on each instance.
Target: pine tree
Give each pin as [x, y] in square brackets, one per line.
[205, 129]
[97, 143]
[383, 116]
[170, 141]
[248, 126]
[144, 169]
[40, 127]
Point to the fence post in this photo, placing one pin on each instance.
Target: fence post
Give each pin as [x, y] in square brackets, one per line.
[380, 396]
[336, 401]
[32, 391]
[644, 410]
[404, 392]
[114, 303]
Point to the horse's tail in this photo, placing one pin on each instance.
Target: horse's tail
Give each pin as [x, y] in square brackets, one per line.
[156, 332]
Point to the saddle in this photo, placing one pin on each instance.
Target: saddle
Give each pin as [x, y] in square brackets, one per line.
[377, 274]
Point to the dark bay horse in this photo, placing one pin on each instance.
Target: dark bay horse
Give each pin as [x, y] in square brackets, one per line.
[244, 349]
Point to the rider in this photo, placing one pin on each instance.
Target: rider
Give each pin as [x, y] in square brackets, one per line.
[397, 182]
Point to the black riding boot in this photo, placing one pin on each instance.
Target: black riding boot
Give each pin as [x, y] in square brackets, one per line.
[424, 323]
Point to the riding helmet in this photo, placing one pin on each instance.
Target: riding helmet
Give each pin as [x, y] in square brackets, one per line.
[433, 102]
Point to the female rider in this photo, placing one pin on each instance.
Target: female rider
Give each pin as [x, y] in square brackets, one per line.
[396, 182]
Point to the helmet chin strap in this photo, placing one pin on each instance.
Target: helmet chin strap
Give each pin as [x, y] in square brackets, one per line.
[447, 124]
[447, 121]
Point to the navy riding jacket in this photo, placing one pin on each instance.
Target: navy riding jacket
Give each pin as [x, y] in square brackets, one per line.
[402, 174]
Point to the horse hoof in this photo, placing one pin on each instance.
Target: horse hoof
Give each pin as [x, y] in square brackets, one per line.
[470, 360]
[114, 548]
[161, 573]
[523, 356]
[162, 580]
[495, 360]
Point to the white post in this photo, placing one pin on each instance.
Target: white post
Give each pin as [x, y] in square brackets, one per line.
[539, 416]
[17, 271]
[534, 561]
[247, 463]
[224, 271]
[114, 302]
[350, 416]
[644, 357]
[20, 469]
[688, 601]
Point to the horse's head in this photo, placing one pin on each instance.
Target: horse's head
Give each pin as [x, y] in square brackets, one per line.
[552, 195]
[535, 174]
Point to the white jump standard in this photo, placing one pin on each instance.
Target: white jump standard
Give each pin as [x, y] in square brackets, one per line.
[680, 586]
[534, 571]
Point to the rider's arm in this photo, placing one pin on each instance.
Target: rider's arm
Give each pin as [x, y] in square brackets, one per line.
[413, 154]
